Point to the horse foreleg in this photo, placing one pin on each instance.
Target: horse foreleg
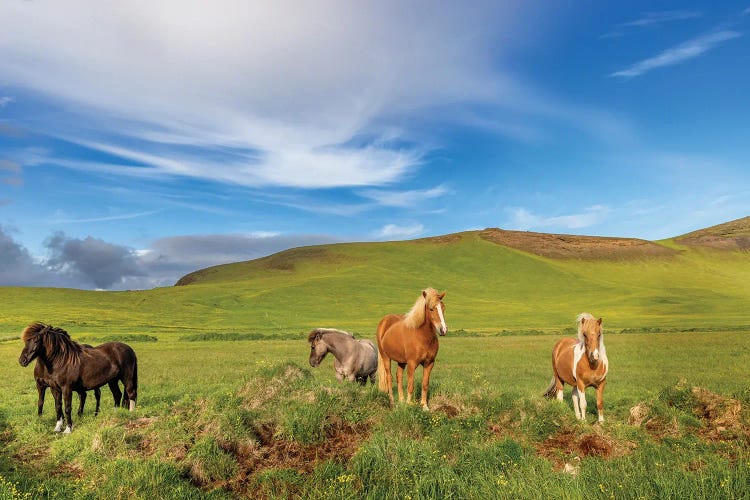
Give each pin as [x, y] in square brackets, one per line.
[410, 367]
[40, 389]
[116, 393]
[58, 409]
[426, 370]
[600, 400]
[399, 381]
[582, 401]
[388, 377]
[574, 397]
[67, 394]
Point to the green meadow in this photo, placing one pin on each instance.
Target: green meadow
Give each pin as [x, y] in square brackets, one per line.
[229, 407]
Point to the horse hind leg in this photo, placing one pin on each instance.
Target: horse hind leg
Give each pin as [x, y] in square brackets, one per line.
[98, 397]
[400, 381]
[82, 402]
[130, 381]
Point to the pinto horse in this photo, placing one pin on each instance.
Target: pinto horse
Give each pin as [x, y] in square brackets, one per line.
[411, 340]
[582, 363]
[73, 367]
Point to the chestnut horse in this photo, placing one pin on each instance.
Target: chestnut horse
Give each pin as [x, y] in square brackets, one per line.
[582, 363]
[73, 367]
[411, 340]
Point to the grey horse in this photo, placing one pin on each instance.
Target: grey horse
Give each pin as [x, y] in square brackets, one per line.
[355, 359]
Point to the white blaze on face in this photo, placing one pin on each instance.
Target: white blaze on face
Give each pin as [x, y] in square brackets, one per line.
[442, 319]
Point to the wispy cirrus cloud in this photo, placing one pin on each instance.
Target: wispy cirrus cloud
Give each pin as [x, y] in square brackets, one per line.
[6, 100]
[105, 218]
[300, 102]
[404, 199]
[681, 53]
[524, 220]
[652, 19]
[396, 232]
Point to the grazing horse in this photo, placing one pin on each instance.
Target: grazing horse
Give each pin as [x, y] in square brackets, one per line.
[411, 340]
[582, 363]
[73, 367]
[41, 375]
[355, 359]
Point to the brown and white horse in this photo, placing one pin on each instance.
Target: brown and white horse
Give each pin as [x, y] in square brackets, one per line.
[411, 340]
[582, 363]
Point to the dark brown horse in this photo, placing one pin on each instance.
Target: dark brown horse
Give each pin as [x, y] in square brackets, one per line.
[581, 362]
[411, 340]
[42, 376]
[73, 367]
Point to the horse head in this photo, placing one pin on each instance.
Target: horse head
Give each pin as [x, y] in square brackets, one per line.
[590, 333]
[435, 310]
[32, 337]
[318, 347]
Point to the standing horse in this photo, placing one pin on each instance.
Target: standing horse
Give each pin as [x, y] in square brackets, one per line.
[355, 359]
[73, 367]
[411, 340]
[41, 375]
[582, 363]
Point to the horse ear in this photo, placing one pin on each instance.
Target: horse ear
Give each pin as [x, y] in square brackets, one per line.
[441, 296]
[424, 293]
[583, 320]
[599, 321]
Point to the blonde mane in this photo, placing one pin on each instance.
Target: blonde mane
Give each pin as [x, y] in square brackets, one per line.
[415, 317]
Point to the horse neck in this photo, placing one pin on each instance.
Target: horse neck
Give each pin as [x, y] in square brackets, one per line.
[336, 346]
[426, 329]
[55, 359]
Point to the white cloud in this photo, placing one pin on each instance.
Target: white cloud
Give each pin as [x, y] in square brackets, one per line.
[394, 232]
[404, 199]
[650, 19]
[746, 11]
[683, 52]
[298, 93]
[524, 220]
[4, 100]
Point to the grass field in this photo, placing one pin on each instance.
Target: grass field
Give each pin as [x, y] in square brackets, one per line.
[251, 418]
[228, 405]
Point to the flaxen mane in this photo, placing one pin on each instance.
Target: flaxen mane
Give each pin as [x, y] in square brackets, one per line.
[415, 317]
[57, 342]
[320, 331]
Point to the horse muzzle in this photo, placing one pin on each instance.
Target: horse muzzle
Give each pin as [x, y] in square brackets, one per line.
[593, 362]
[442, 331]
[23, 361]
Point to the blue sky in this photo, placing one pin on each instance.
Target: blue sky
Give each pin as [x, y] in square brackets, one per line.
[143, 140]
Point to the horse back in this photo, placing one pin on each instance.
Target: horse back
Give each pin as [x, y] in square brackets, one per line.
[119, 352]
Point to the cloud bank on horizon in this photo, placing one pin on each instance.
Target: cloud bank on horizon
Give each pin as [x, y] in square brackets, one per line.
[129, 131]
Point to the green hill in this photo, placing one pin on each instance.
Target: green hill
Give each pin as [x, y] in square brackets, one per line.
[495, 280]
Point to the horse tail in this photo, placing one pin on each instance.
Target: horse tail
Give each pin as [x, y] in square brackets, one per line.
[382, 382]
[551, 391]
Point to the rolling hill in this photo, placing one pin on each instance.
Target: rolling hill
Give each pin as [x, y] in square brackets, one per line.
[495, 280]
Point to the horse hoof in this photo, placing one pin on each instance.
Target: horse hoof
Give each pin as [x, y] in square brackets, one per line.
[59, 426]
[67, 430]
[425, 408]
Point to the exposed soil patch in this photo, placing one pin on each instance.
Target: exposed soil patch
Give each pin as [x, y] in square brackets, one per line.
[341, 442]
[566, 246]
[447, 238]
[567, 445]
[733, 235]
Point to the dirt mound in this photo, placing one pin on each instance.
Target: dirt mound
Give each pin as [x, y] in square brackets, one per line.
[720, 414]
[733, 235]
[566, 246]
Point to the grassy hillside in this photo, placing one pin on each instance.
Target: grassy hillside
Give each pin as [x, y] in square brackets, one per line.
[491, 287]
